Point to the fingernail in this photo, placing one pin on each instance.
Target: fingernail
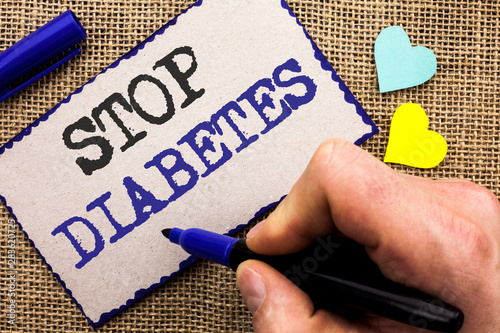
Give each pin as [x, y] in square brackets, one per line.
[252, 289]
[255, 229]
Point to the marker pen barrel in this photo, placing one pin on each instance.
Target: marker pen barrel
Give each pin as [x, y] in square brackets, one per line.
[349, 281]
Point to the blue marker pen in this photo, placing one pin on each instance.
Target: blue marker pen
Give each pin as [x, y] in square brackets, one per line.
[36, 50]
[336, 273]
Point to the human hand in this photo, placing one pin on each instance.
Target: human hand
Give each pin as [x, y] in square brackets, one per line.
[442, 237]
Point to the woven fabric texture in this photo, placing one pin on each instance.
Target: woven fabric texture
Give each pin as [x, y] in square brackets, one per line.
[461, 101]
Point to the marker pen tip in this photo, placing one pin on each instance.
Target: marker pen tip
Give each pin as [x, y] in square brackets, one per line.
[166, 232]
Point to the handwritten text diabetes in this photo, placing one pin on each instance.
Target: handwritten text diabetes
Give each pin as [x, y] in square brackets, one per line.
[178, 174]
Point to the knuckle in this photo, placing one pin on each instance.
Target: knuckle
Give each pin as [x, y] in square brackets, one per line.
[479, 193]
[333, 156]
[480, 196]
[326, 150]
[477, 245]
[486, 197]
[334, 147]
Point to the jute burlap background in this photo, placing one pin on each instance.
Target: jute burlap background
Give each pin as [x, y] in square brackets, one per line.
[461, 101]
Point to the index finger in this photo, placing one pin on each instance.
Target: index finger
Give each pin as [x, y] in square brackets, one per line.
[343, 188]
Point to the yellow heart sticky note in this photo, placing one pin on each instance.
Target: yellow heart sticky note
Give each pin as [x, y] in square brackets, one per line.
[410, 141]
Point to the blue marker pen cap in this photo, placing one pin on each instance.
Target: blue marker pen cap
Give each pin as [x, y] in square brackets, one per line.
[41, 46]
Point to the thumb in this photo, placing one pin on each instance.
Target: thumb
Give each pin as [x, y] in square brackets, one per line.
[278, 305]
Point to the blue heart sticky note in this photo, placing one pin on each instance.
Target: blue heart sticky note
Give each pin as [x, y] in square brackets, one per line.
[399, 65]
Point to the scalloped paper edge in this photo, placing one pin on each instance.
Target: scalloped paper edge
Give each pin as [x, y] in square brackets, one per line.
[325, 65]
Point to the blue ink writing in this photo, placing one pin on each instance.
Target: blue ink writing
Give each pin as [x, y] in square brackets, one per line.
[205, 140]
